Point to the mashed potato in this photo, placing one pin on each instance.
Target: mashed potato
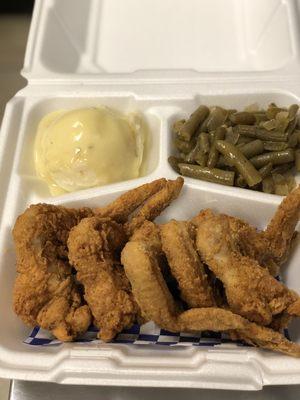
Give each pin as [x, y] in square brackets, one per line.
[88, 147]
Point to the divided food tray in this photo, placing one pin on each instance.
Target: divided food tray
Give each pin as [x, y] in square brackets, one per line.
[162, 59]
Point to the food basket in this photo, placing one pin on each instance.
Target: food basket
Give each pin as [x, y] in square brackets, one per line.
[163, 58]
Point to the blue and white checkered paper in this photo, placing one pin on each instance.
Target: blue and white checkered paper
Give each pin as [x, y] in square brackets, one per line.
[148, 333]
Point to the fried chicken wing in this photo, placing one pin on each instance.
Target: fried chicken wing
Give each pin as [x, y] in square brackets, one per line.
[45, 292]
[250, 290]
[149, 288]
[267, 338]
[155, 204]
[271, 246]
[94, 247]
[281, 229]
[186, 265]
[120, 209]
[156, 302]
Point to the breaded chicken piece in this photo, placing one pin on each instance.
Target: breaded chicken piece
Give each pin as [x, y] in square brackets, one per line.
[250, 290]
[45, 292]
[271, 246]
[94, 248]
[155, 204]
[120, 209]
[156, 302]
[280, 231]
[267, 338]
[142, 268]
[186, 265]
[145, 202]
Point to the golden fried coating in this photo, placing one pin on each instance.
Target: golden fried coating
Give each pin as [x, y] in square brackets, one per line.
[294, 308]
[156, 302]
[150, 291]
[120, 209]
[250, 290]
[253, 244]
[268, 339]
[94, 246]
[237, 276]
[186, 265]
[210, 319]
[281, 230]
[272, 246]
[45, 292]
[155, 204]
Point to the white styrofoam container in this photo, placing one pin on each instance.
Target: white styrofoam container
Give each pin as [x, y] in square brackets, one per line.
[163, 58]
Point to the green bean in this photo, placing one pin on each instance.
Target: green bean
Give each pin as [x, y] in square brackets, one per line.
[293, 109]
[282, 188]
[174, 161]
[291, 127]
[232, 136]
[177, 126]
[211, 137]
[259, 148]
[297, 131]
[293, 139]
[208, 174]
[270, 124]
[201, 159]
[222, 163]
[243, 118]
[275, 157]
[294, 135]
[297, 160]
[204, 142]
[213, 153]
[243, 140]
[252, 149]
[283, 184]
[201, 150]
[265, 170]
[260, 133]
[273, 110]
[291, 182]
[282, 168]
[203, 126]
[268, 185]
[245, 168]
[260, 117]
[190, 126]
[182, 146]
[197, 155]
[240, 181]
[275, 146]
[282, 121]
[278, 178]
[216, 118]
[230, 111]
[275, 135]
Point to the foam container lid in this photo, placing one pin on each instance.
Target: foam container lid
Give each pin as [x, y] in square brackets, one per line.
[162, 58]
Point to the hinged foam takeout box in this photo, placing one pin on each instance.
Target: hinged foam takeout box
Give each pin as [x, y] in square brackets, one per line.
[162, 58]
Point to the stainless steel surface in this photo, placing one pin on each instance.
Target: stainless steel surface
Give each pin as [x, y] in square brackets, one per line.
[21, 390]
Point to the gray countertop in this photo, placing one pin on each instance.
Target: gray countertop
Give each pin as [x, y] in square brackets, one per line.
[49, 391]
